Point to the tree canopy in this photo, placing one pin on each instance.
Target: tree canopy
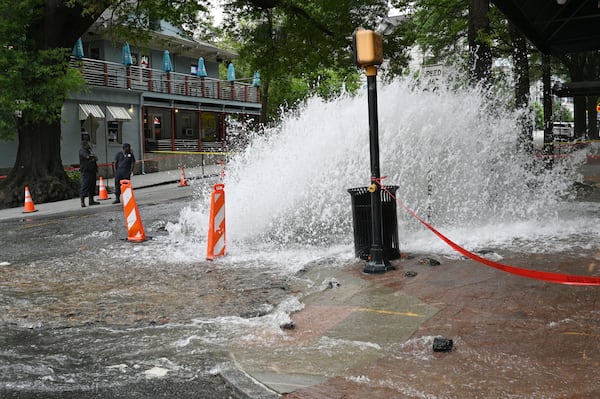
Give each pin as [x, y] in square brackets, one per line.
[304, 47]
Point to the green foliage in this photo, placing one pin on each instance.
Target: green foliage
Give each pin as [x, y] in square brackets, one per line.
[560, 113]
[303, 48]
[439, 28]
[34, 80]
[34, 86]
[75, 176]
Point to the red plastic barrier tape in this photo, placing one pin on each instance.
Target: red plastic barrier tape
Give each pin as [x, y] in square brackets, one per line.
[557, 278]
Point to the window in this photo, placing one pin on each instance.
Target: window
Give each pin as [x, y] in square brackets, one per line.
[115, 134]
[210, 125]
[88, 129]
[186, 123]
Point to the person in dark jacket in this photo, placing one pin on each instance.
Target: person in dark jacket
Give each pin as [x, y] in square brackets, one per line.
[88, 168]
[123, 168]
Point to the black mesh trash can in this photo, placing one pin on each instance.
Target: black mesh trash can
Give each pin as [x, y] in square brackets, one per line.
[361, 218]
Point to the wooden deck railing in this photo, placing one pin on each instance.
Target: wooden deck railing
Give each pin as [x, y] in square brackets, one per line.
[118, 76]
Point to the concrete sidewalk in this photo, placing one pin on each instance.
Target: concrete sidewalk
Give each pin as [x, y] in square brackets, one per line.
[371, 336]
[138, 182]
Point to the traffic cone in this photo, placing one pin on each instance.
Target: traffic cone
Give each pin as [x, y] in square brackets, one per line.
[216, 224]
[102, 194]
[29, 207]
[182, 180]
[135, 229]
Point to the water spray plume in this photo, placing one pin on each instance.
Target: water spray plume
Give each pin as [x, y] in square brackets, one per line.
[450, 157]
[455, 163]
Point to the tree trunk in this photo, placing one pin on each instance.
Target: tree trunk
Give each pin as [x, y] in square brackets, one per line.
[478, 37]
[575, 67]
[547, 99]
[522, 83]
[583, 67]
[592, 120]
[521, 67]
[579, 116]
[264, 99]
[38, 165]
[264, 111]
[547, 103]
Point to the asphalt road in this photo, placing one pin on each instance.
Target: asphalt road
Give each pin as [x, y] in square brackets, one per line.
[85, 313]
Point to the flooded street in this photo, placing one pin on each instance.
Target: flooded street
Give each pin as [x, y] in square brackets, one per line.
[80, 311]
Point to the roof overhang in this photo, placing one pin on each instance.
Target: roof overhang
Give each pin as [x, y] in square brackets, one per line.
[178, 45]
[168, 39]
[576, 89]
[555, 28]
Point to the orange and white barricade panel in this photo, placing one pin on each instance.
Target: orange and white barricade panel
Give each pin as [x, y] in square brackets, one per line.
[216, 224]
[135, 229]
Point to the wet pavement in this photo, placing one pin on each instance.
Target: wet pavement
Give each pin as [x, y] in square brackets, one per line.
[348, 335]
[372, 336]
[85, 313]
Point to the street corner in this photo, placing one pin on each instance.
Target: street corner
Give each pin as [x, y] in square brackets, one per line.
[345, 322]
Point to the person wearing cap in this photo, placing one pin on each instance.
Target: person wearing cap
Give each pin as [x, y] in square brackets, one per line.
[123, 168]
[88, 168]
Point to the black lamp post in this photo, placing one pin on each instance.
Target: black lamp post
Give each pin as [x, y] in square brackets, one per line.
[376, 263]
[368, 52]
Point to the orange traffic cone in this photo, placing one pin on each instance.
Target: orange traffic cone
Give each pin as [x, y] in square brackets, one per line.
[29, 207]
[135, 229]
[182, 180]
[102, 194]
[216, 224]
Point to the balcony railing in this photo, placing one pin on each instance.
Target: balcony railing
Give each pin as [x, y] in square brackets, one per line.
[118, 76]
[188, 145]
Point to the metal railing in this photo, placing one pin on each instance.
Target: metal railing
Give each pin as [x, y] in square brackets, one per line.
[183, 145]
[118, 76]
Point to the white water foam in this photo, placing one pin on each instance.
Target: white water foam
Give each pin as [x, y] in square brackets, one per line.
[455, 163]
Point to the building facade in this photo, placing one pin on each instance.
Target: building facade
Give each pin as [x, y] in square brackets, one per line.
[159, 109]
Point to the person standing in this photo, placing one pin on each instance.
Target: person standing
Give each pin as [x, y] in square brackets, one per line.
[123, 168]
[88, 168]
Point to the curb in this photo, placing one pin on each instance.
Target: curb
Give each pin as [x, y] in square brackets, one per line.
[246, 387]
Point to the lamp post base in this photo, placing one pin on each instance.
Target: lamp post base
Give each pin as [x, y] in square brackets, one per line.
[374, 268]
[377, 264]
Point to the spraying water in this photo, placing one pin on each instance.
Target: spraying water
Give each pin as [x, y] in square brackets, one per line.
[453, 161]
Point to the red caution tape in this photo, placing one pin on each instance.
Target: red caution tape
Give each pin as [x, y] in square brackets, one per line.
[557, 278]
